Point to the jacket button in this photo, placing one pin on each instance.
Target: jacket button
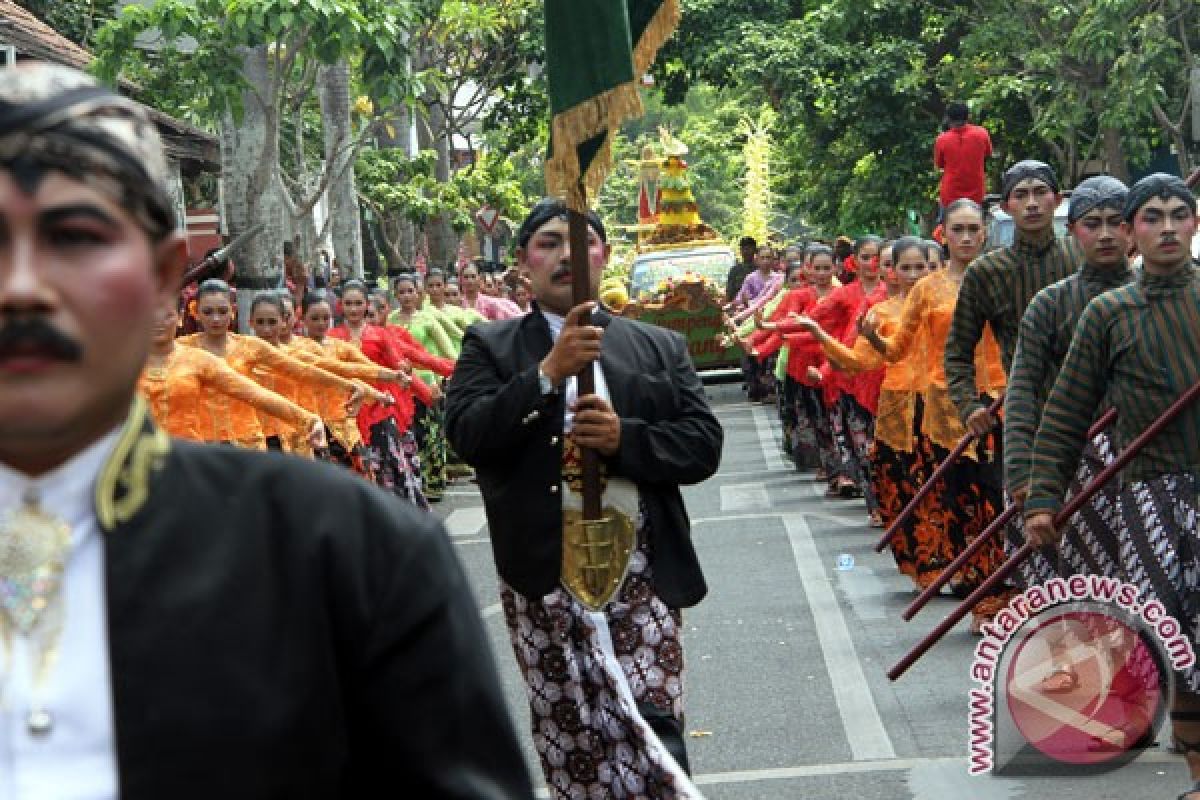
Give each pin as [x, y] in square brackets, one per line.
[553, 440]
[554, 489]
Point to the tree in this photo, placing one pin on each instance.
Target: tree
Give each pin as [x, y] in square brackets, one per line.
[861, 88]
[250, 59]
[474, 47]
[1102, 81]
[397, 190]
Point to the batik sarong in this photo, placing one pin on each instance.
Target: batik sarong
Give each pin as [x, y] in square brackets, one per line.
[586, 674]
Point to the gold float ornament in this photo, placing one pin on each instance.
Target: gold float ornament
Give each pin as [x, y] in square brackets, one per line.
[595, 556]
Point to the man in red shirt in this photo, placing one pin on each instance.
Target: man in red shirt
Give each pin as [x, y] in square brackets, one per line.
[959, 153]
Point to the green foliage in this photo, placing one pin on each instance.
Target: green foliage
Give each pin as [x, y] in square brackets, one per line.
[75, 19]
[201, 44]
[396, 188]
[861, 87]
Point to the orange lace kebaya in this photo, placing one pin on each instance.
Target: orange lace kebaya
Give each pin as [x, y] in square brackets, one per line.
[196, 395]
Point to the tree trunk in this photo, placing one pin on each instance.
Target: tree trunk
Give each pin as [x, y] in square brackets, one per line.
[249, 158]
[1114, 154]
[303, 229]
[333, 89]
[432, 135]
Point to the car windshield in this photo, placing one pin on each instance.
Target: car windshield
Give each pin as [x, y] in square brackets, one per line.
[649, 269]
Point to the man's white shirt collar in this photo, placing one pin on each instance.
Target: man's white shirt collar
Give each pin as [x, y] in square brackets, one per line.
[65, 491]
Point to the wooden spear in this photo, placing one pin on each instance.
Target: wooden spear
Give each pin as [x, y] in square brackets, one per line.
[927, 487]
[581, 292]
[1061, 518]
[982, 539]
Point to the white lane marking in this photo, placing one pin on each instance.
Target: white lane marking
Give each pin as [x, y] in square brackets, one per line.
[766, 440]
[744, 497]
[741, 473]
[492, 610]
[819, 770]
[466, 521]
[944, 766]
[734, 518]
[472, 541]
[864, 728]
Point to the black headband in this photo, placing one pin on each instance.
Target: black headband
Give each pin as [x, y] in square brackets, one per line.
[549, 208]
[92, 135]
[1024, 170]
[1160, 184]
[1101, 191]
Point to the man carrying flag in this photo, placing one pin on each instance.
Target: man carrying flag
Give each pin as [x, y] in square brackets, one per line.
[581, 428]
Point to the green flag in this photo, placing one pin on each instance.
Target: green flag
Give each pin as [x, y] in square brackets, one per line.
[596, 52]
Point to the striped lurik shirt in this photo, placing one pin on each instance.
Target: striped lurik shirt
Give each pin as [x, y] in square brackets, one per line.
[996, 289]
[1140, 344]
[1046, 331]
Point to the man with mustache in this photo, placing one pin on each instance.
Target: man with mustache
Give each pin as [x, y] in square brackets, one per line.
[1138, 348]
[178, 620]
[998, 286]
[1095, 218]
[605, 686]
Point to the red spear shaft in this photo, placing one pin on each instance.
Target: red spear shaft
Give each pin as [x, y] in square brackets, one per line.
[927, 487]
[1074, 504]
[581, 292]
[982, 539]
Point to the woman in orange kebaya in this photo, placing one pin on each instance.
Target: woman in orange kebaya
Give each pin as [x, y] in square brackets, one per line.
[970, 495]
[270, 321]
[253, 357]
[190, 392]
[391, 444]
[346, 445]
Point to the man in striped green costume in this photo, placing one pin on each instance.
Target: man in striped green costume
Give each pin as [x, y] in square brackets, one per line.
[998, 286]
[1095, 218]
[1138, 347]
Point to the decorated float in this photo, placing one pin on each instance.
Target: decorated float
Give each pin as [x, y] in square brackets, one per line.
[678, 275]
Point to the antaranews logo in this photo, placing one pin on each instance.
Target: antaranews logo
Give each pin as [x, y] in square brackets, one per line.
[1073, 677]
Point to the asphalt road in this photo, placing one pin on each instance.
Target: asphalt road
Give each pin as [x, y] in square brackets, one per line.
[787, 695]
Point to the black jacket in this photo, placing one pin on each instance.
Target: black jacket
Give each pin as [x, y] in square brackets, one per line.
[282, 629]
[498, 420]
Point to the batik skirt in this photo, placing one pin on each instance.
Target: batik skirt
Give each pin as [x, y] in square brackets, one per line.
[812, 441]
[354, 457]
[785, 399]
[429, 429]
[855, 429]
[1090, 544]
[586, 675]
[759, 377]
[961, 505]
[896, 475]
[1160, 551]
[396, 463]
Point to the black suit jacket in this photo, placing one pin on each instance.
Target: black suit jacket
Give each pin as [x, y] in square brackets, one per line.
[499, 421]
[282, 629]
